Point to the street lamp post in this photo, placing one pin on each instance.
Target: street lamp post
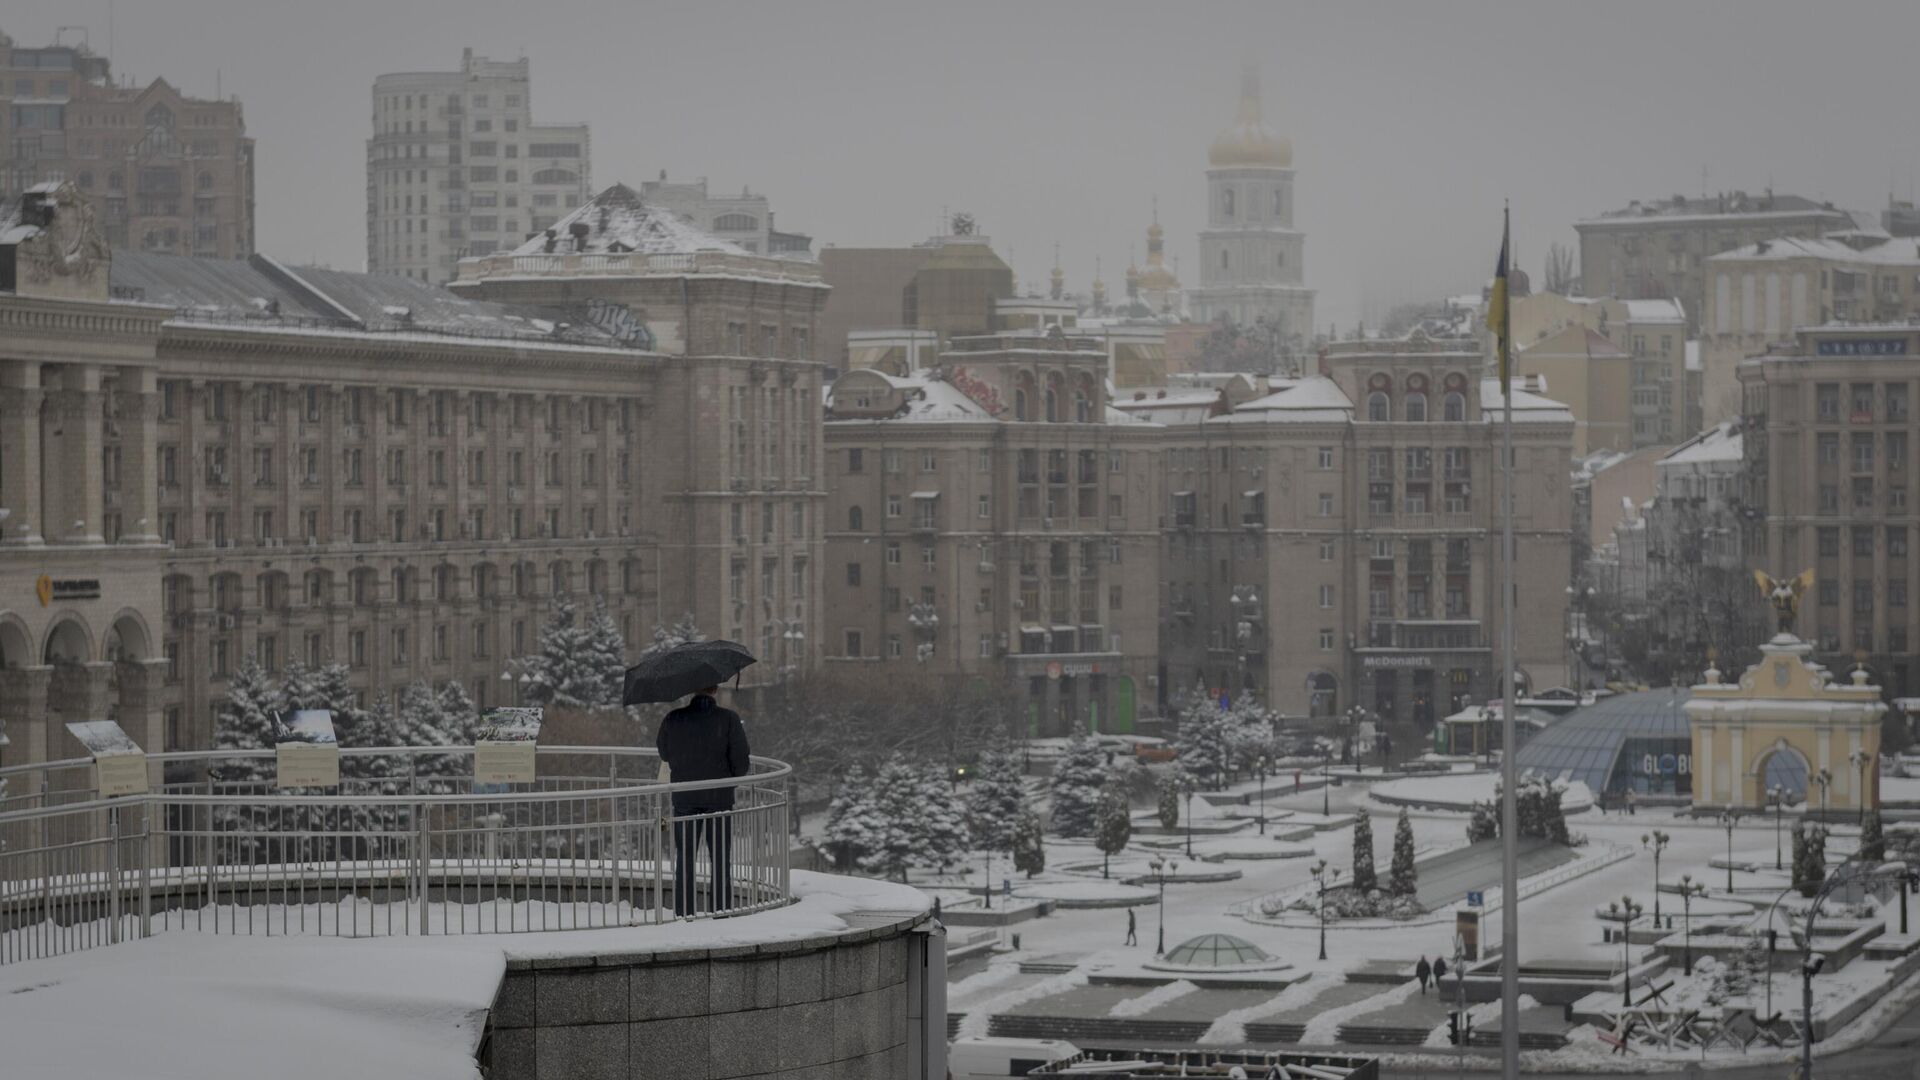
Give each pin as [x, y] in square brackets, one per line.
[987, 891]
[1326, 784]
[1324, 875]
[1627, 911]
[1778, 796]
[1688, 890]
[1656, 842]
[1860, 758]
[1161, 868]
[1261, 764]
[1825, 779]
[1189, 823]
[1727, 821]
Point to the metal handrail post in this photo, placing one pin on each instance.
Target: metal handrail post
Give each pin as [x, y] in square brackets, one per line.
[113, 875]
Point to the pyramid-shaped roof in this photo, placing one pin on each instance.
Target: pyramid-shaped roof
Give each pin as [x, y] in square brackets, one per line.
[617, 220]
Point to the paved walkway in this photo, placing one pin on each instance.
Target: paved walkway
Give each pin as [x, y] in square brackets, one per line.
[1448, 877]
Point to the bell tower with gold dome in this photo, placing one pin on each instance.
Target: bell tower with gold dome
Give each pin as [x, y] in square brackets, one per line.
[1252, 259]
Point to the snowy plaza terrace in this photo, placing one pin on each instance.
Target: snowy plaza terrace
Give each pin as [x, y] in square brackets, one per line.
[414, 915]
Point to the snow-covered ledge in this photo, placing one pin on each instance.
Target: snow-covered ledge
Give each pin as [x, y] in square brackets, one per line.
[830, 982]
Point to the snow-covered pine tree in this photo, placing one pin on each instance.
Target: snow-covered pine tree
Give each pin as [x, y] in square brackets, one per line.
[1116, 820]
[1484, 824]
[1248, 733]
[1078, 775]
[420, 720]
[997, 800]
[245, 722]
[1553, 815]
[1402, 879]
[462, 716]
[1202, 740]
[606, 651]
[569, 671]
[850, 825]
[681, 632]
[1810, 857]
[1172, 787]
[1029, 845]
[1873, 838]
[942, 821]
[1365, 879]
[898, 818]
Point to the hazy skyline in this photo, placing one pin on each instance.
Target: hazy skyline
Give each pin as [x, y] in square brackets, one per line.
[1060, 123]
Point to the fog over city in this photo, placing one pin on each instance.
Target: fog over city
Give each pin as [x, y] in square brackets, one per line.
[1060, 122]
[883, 540]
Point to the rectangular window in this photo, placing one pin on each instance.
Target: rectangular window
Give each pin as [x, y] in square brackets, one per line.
[856, 460]
[1326, 596]
[853, 643]
[1829, 539]
[1863, 540]
[853, 575]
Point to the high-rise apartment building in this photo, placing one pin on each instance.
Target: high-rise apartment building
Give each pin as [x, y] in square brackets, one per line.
[457, 166]
[165, 172]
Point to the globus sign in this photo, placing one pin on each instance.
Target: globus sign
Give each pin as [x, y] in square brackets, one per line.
[1666, 764]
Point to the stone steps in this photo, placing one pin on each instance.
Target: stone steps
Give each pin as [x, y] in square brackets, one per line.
[1275, 1031]
[1081, 1029]
[1382, 1035]
[953, 1024]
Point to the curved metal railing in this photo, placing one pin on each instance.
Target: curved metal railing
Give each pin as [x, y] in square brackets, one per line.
[408, 843]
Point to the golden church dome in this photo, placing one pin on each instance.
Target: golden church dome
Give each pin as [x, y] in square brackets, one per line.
[1248, 142]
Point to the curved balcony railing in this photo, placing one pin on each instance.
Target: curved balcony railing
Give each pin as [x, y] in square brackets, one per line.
[408, 843]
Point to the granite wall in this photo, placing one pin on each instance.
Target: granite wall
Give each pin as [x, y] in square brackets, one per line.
[825, 1008]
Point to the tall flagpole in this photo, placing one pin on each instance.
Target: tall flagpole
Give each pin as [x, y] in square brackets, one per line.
[1509, 804]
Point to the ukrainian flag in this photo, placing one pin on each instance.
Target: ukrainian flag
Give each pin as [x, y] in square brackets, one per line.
[1497, 311]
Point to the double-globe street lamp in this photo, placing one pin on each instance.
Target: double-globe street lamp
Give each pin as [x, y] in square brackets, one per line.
[1777, 795]
[1728, 820]
[1689, 889]
[1825, 779]
[1860, 758]
[1161, 868]
[1323, 876]
[1626, 910]
[1656, 842]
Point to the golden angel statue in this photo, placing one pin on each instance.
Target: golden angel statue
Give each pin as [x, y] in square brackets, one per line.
[1784, 595]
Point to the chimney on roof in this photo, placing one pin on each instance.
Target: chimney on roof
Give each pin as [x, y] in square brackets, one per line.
[579, 230]
[553, 239]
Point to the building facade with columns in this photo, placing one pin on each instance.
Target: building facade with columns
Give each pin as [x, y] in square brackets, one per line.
[1252, 258]
[243, 457]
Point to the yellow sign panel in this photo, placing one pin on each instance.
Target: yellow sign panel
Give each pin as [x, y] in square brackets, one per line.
[43, 588]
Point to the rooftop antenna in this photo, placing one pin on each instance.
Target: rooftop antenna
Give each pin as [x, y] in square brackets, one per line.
[109, 30]
[216, 85]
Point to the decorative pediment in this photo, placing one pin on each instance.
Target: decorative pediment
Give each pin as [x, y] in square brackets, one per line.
[58, 249]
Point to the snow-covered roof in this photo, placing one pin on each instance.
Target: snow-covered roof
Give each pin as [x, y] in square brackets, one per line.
[617, 220]
[1655, 311]
[1719, 443]
[1312, 400]
[1528, 407]
[1902, 252]
[1588, 342]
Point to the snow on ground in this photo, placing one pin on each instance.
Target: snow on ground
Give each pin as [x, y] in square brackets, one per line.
[1484, 1015]
[975, 1024]
[1324, 1028]
[1145, 1003]
[1070, 892]
[1231, 1027]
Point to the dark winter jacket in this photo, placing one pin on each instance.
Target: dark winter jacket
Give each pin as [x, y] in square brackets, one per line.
[703, 741]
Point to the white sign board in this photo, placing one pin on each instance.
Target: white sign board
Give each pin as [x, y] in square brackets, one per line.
[306, 754]
[119, 765]
[504, 749]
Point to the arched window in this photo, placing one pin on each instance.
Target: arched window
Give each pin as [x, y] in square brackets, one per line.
[160, 117]
[735, 223]
[1454, 407]
[1051, 405]
[116, 182]
[558, 579]
[1377, 406]
[1417, 408]
[1226, 202]
[856, 519]
[555, 176]
[1082, 408]
[1020, 404]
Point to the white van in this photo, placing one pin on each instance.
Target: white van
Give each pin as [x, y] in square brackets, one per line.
[994, 1058]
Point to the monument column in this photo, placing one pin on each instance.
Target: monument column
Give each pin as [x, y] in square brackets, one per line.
[20, 406]
[71, 444]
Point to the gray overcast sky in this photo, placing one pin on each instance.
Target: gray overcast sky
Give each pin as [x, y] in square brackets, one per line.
[1060, 121]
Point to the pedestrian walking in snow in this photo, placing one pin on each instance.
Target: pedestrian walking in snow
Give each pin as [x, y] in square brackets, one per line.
[1296, 781]
[703, 740]
[1631, 799]
[1423, 971]
[1439, 970]
[1132, 938]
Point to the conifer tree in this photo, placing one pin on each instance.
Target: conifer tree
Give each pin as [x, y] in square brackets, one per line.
[571, 669]
[997, 801]
[606, 650]
[898, 822]
[246, 721]
[461, 714]
[1202, 740]
[1078, 775]
[1402, 879]
[1873, 838]
[1809, 857]
[681, 632]
[1172, 787]
[1365, 879]
[941, 821]
[1029, 846]
[849, 828]
[1484, 824]
[1116, 820]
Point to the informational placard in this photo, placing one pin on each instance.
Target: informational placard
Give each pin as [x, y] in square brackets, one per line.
[119, 765]
[503, 751]
[306, 754]
[1466, 928]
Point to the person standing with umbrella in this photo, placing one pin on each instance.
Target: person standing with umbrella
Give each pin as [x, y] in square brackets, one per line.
[701, 740]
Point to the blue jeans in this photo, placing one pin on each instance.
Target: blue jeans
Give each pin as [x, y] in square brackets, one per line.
[715, 830]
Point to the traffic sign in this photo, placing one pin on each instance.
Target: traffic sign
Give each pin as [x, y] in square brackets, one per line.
[1476, 899]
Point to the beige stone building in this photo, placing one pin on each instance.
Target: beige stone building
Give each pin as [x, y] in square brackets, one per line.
[1659, 249]
[1830, 434]
[1663, 406]
[1330, 542]
[166, 172]
[234, 457]
[993, 522]
[1762, 293]
[457, 166]
[947, 285]
[1593, 377]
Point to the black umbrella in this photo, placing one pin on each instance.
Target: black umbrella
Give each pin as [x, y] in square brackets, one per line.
[674, 673]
